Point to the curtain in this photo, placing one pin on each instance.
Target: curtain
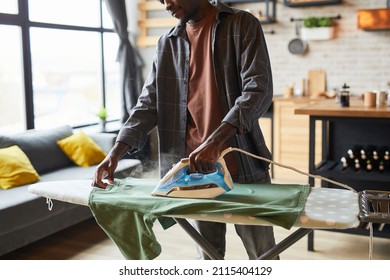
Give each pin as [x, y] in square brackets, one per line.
[129, 59]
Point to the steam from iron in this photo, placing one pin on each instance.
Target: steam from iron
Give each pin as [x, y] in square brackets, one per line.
[152, 168]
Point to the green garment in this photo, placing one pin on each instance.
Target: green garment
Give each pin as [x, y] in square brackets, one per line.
[126, 210]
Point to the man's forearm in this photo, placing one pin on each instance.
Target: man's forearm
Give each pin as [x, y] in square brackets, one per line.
[223, 133]
[119, 150]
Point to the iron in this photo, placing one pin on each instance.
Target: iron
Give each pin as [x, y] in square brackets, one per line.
[178, 182]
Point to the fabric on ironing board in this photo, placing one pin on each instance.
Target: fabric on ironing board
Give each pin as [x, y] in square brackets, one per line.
[126, 210]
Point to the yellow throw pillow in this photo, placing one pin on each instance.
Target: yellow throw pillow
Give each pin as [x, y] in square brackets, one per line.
[15, 168]
[81, 149]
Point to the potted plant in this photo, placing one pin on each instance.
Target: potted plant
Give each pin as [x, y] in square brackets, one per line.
[102, 114]
[317, 28]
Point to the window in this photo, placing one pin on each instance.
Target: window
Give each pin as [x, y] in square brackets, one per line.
[9, 6]
[58, 64]
[11, 81]
[69, 12]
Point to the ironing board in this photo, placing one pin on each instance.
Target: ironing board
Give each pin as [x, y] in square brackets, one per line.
[324, 209]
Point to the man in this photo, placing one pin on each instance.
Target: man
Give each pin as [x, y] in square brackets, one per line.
[210, 83]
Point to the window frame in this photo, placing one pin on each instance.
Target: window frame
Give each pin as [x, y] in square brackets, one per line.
[22, 20]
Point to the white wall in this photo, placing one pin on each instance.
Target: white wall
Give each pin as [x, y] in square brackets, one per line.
[356, 57]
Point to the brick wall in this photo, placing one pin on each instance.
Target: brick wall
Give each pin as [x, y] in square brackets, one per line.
[359, 58]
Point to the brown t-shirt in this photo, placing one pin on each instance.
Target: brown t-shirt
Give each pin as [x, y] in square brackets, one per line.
[204, 110]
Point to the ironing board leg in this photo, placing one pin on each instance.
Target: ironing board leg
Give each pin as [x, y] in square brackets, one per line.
[284, 244]
[269, 255]
[195, 235]
[310, 241]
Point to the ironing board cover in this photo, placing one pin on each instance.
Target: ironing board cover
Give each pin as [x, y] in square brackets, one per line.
[126, 211]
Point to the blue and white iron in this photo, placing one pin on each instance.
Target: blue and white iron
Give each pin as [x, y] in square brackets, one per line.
[179, 183]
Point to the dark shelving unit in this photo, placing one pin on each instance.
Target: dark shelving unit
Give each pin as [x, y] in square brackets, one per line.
[340, 133]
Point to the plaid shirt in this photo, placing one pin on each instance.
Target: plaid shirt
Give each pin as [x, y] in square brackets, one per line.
[244, 83]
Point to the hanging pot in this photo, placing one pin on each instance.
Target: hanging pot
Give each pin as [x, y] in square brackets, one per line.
[297, 46]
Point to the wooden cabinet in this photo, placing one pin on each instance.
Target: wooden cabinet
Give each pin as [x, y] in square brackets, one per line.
[291, 139]
[266, 128]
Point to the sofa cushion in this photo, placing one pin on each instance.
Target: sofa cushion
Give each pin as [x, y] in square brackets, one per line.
[15, 168]
[41, 147]
[81, 149]
[105, 140]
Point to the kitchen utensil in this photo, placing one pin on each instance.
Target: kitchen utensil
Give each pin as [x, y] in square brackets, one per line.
[369, 99]
[381, 98]
[297, 46]
[316, 84]
[344, 95]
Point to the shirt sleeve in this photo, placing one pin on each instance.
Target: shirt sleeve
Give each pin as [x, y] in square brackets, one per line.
[255, 77]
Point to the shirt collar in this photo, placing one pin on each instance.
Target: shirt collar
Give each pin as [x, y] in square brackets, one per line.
[179, 29]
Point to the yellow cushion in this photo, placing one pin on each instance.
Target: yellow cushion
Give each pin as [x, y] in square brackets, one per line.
[15, 168]
[81, 149]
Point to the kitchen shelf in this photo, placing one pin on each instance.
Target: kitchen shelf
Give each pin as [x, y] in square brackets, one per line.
[148, 25]
[305, 3]
[241, 1]
[269, 15]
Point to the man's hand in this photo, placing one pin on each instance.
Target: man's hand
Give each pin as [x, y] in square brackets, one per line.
[204, 158]
[104, 174]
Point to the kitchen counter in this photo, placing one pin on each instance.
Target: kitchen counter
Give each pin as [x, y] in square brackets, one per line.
[330, 108]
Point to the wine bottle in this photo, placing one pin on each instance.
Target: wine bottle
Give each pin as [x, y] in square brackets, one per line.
[368, 165]
[357, 164]
[366, 152]
[363, 154]
[344, 163]
[354, 152]
[375, 158]
[386, 155]
[375, 155]
[386, 159]
[351, 154]
[381, 166]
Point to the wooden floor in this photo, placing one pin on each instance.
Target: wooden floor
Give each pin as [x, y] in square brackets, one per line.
[86, 241]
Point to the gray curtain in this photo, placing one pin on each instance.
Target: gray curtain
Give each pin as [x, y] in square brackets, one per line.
[130, 60]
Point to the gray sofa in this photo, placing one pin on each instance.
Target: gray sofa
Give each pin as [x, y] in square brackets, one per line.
[24, 217]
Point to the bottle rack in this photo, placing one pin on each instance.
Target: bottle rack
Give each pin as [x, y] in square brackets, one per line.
[334, 169]
[366, 159]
